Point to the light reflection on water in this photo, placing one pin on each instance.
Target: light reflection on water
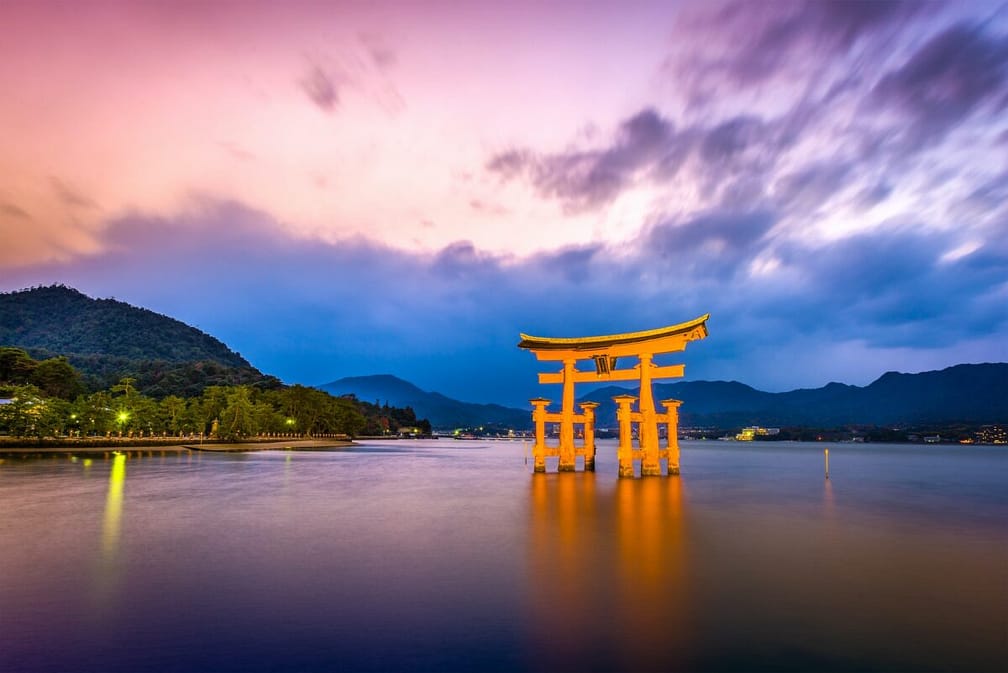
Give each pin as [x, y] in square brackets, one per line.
[112, 524]
[451, 556]
[610, 571]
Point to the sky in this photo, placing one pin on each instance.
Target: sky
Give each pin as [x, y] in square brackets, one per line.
[339, 189]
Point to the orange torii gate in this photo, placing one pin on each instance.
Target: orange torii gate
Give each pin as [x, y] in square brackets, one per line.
[605, 351]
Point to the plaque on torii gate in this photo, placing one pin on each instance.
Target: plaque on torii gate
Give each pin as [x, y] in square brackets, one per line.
[606, 353]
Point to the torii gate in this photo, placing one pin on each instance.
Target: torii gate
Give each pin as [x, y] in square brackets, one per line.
[606, 351]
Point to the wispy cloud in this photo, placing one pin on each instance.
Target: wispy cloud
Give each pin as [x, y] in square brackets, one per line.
[70, 196]
[14, 211]
[321, 88]
[961, 71]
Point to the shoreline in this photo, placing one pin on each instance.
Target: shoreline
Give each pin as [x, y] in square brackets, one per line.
[134, 448]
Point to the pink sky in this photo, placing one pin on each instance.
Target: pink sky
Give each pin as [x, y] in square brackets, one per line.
[147, 107]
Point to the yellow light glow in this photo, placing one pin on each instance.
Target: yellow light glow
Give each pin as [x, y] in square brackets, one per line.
[112, 524]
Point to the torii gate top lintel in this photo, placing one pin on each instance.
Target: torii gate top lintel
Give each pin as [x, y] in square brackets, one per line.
[660, 340]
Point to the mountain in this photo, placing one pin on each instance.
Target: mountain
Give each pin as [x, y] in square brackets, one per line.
[969, 393]
[442, 411]
[107, 339]
[964, 393]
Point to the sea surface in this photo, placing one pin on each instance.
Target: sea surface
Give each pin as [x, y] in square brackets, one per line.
[451, 556]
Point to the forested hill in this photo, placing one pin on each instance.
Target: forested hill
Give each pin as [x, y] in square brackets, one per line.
[107, 339]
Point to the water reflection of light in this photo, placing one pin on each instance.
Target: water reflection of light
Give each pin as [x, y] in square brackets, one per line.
[608, 573]
[828, 500]
[564, 580]
[112, 524]
[652, 605]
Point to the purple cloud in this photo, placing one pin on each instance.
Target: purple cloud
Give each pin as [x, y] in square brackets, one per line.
[733, 160]
[312, 311]
[747, 45]
[812, 186]
[955, 74]
[711, 245]
[585, 179]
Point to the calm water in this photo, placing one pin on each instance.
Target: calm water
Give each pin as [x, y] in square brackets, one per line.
[450, 555]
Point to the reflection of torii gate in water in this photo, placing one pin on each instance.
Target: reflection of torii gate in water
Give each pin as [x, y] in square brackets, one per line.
[606, 351]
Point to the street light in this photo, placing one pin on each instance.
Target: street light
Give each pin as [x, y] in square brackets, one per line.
[121, 419]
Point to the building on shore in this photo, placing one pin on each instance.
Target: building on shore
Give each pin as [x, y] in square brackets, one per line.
[754, 431]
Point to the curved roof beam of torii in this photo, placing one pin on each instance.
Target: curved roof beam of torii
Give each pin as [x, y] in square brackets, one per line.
[672, 337]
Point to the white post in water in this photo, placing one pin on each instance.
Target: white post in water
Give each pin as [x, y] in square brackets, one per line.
[826, 452]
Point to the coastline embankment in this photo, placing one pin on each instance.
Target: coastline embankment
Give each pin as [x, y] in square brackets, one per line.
[162, 446]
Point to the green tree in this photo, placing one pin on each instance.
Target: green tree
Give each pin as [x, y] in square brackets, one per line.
[211, 405]
[267, 419]
[238, 418]
[29, 414]
[303, 405]
[173, 411]
[56, 377]
[348, 417]
[126, 386]
[145, 416]
[94, 413]
[16, 366]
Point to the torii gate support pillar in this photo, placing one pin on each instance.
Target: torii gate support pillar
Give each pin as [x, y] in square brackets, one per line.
[672, 421]
[539, 420]
[625, 450]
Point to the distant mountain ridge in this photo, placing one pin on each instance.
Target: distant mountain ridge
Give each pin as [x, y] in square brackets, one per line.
[442, 411]
[970, 393]
[107, 339]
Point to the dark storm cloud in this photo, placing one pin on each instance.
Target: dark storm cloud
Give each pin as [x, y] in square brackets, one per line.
[956, 73]
[321, 88]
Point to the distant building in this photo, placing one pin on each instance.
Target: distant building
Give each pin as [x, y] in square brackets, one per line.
[991, 434]
[754, 431]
